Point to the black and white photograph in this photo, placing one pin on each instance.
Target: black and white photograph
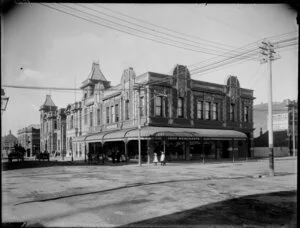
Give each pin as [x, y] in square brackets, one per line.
[149, 115]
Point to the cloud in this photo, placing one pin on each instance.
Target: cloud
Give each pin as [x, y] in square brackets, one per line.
[31, 75]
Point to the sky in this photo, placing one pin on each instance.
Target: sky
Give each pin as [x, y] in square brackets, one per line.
[47, 48]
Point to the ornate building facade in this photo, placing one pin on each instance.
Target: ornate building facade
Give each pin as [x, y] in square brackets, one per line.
[53, 127]
[187, 118]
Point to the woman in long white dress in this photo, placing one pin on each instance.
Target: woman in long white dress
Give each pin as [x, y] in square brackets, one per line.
[162, 158]
[155, 160]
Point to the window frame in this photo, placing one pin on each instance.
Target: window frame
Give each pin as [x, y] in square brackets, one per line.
[98, 117]
[107, 114]
[127, 110]
[200, 110]
[207, 111]
[116, 112]
[231, 113]
[215, 111]
[180, 108]
[91, 118]
[158, 107]
[246, 114]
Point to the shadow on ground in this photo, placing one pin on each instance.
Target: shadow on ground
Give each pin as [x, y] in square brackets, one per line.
[277, 208]
[39, 164]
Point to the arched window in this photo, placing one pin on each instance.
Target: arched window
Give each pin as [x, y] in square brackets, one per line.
[127, 110]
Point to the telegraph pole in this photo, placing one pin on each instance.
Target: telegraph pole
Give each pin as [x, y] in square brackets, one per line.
[294, 144]
[267, 56]
[138, 88]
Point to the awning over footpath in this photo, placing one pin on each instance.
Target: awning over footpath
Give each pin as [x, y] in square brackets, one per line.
[163, 133]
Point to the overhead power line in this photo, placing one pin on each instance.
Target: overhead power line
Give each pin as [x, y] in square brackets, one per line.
[164, 40]
[207, 42]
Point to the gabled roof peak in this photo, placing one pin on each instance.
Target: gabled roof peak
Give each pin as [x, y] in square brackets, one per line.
[96, 73]
[48, 102]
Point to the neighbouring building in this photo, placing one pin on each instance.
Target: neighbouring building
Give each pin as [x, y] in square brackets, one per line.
[186, 118]
[282, 130]
[260, 115]
[53, 125]
[292, 124]
[7, 143]
[29, 138]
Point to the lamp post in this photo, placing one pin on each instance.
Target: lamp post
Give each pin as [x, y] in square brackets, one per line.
[4, 101]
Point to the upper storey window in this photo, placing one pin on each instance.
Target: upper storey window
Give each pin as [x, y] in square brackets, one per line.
[117, 112]
[207, 110]
[142, 106]
[200, 110]
[246, 114]
[158, 106]
[127, 110]
[232, 117]
[85, 116]
[180, 107]
[215, 109]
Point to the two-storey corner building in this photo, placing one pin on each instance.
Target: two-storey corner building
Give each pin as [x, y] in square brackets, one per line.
[52, 131]
[29, 138]
[187, 118]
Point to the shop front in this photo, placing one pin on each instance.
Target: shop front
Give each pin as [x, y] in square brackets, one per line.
[177, 143]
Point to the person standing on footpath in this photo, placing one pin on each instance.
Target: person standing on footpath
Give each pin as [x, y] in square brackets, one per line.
[162, 158]
[155, 160]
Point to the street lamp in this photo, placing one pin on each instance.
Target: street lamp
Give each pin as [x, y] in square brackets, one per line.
[4, 101]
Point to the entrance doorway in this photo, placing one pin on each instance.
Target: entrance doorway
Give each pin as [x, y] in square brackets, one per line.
[225, 152]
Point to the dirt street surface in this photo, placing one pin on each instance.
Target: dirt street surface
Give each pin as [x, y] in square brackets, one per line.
[225, 194]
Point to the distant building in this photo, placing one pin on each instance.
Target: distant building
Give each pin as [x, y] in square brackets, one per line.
[52, 132]
[29, 138]
[282, 125]
[280, 122]
[7, 143]
[292, 110]
[260, 115]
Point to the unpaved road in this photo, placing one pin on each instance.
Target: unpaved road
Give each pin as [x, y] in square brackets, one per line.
[176, 194]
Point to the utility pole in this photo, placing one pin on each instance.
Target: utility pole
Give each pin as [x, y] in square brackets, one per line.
[294, 138]
[267, 56]
[138, 88]
[292, 104]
